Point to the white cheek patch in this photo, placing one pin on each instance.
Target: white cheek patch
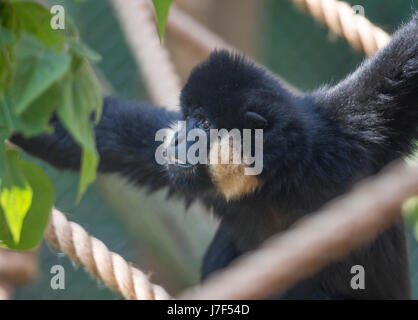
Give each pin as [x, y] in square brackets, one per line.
[227, 169]
[224, 151]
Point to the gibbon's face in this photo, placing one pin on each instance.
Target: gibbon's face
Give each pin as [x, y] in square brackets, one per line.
[225, 92]
[212, 158]
[191, 177]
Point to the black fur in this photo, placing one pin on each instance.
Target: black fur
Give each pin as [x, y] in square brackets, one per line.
[316, 146]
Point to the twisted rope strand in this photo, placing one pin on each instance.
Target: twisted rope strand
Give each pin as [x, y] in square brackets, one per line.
[111, 268]
[341, 19]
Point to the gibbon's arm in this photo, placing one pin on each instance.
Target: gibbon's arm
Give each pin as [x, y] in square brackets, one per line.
[378, 103]
[125, 138]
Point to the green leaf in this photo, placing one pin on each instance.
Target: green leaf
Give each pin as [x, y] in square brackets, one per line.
[15, 195]
[410, 206]
[83, 51]
[3, 136]
[37, 218]
[410, 210]
[37, 69]
[79, 100]
[89, 163]
[6, 37]
[34, 19]
[162, 8]
[6, 57]
[32, 92]
[35, 119]
[7, 118]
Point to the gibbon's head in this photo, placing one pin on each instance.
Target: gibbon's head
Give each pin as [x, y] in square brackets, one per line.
[229, 93]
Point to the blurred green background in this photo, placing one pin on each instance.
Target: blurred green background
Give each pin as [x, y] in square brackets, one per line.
[159, 235]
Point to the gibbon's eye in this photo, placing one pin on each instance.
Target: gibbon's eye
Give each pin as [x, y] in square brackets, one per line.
[205, 124]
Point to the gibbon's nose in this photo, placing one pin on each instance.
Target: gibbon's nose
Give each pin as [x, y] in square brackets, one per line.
[180, 146]
[178, 139]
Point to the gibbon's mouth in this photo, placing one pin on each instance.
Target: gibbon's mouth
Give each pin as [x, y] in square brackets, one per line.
[187, 165]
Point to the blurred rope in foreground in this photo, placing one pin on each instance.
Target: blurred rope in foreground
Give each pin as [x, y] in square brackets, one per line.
[111, 268]
[137, 20]
[16, 269]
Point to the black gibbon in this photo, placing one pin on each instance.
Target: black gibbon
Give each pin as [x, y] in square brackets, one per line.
[316, 146]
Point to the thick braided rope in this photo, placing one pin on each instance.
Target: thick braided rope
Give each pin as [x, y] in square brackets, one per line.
[341, 19]
[103, 264]
[338, 16]
[137, 20]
